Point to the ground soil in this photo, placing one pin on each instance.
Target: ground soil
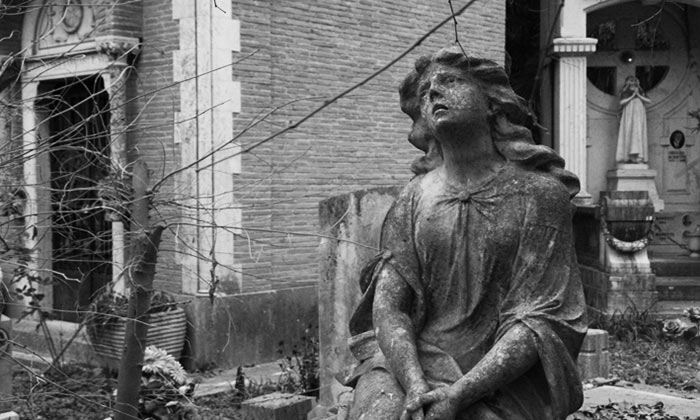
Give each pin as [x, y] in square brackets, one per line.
[86, 393]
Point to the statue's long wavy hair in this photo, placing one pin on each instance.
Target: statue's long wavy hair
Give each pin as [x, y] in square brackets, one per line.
[510, 120]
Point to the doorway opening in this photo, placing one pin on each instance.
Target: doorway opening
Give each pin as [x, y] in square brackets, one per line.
[74, 113]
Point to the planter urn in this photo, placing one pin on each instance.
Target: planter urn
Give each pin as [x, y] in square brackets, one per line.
[166, 331]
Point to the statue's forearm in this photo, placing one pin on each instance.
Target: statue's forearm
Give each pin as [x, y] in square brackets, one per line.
[397, 341]
[395, 332]
[513, 355]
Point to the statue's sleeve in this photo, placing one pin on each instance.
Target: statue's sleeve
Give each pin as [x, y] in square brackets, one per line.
[545, 294]
[398, 253]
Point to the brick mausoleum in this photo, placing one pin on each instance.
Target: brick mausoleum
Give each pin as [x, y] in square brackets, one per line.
[181, 77]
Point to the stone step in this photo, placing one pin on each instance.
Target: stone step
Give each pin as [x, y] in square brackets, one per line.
[678, 288]
[674, 266]
[666, 309]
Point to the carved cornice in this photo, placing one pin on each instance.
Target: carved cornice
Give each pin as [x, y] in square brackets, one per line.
[117, 46]
[573, 47]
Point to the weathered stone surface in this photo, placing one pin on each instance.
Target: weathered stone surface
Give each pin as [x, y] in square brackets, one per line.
[254, 323]
[594, 358]
[608, 293]
[277, 406]
[10, 415]
[476, 277]
[355, 220]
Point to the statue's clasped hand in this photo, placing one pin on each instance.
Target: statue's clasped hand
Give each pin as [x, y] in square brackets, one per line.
[439, 404]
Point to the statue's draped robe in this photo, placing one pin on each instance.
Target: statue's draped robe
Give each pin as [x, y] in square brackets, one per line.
[632, 136]
[480, 262]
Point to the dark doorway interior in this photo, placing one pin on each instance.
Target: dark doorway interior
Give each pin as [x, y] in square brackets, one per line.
[522, 50]
[77, 112]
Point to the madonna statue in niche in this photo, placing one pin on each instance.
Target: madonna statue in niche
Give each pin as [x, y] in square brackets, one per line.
[474, 310]
[632, 137]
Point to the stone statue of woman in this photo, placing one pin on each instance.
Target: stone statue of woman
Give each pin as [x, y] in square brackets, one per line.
[475, 308]
[632, 136]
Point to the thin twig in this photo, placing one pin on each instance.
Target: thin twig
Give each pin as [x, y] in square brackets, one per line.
[658, 12]
[454, 18]
[216, 6]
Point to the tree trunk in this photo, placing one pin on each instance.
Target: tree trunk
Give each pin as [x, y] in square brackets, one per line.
[142, 268]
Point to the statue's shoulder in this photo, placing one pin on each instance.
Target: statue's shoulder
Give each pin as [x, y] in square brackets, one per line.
[539, 185]
[418, 188]
[418, 183]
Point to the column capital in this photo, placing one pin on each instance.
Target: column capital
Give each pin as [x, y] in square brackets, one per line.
[117, 46]
[573, 47]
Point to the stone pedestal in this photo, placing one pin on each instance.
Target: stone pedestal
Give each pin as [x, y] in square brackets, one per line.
[594, 358]
[277, 406]
[635, 177]
[612, 254]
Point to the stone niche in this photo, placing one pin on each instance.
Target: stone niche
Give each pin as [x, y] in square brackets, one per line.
[351, 224]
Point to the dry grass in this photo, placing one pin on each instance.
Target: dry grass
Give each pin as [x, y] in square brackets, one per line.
[85, 393]
[671, 364]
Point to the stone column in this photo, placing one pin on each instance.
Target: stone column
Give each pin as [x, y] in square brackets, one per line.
[115, 85]
[119, 49]
[570, 131]
[32, 181]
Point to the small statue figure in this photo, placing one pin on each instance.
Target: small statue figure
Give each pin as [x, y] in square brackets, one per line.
[476, 303]
[632, 137]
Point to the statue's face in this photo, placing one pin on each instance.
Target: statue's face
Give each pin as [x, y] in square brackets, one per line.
[451, 102]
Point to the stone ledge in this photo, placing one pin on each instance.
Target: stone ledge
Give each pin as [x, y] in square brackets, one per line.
[277, 406]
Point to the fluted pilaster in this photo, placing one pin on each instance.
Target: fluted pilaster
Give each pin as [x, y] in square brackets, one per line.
[570, 129]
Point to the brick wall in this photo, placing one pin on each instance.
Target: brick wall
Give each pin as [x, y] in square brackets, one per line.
[306, 52]
[294, 56]
[151, 135]
[125, 17]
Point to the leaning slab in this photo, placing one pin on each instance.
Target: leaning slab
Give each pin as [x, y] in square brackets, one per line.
[277, 406]
[351, 224]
